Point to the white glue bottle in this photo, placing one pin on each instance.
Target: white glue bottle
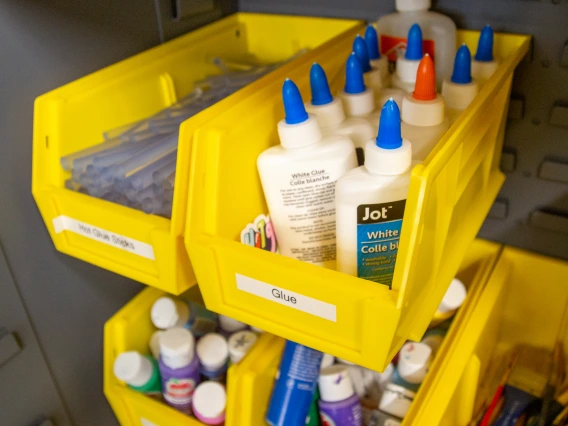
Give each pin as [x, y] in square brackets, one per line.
[407, 64]
[331, 116]
[484, 65]
[299, 174]
[439, 33]
[370, 203]
[358, 99]
[424, 119]
[460, 90]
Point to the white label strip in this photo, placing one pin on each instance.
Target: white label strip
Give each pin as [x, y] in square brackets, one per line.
[66, 223]
[287, 297]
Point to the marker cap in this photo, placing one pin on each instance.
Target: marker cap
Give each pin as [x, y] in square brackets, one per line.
[212, 351]
[335, 384]
[177, 347]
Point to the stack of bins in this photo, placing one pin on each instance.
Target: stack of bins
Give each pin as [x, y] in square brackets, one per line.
[366, 323]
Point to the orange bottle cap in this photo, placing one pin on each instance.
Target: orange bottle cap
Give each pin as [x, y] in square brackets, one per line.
[425, 87]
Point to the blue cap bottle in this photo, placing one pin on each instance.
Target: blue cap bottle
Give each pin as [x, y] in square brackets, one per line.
[485, 45]
[358, 101]
[462, 66]
[321, 95]
[360, 49]
[372, 41]
[354, 81]
[414, 50]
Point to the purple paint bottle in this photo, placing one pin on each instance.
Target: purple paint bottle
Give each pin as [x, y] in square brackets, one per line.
[179, 368]
[339, 404]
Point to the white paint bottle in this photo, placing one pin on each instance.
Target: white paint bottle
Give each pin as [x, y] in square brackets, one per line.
[298, 178]
[370, 203]
[331, 116]
[424, 119]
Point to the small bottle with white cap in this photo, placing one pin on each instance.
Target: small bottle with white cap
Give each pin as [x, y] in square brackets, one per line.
[453, 299]
[424, 119]
[461, 89]
[304, 169]
[396, 400]
[139, 372]
[209, 403]
[339, 404]
[168, 312]
[407, 65]
[179, 368]
[330, 114]
[413, 363]
[228, 326]
[484, 64]
[213, 353]
[239, 344]
[370, 202]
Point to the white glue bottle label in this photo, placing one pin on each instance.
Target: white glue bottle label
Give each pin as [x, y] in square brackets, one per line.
[298, 178]
[370, 204]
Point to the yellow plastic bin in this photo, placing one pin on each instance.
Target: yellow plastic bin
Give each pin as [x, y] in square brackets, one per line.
[361, 321]
[144, 247]
[130, 329]
[525, 301]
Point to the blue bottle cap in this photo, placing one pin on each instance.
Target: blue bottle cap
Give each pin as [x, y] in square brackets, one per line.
[462, 66]
[485, 45]
[360, 49]
[293, 104]
[372, 41]
[414, 43]
[321, 95]
[389, 136]
[354, 82]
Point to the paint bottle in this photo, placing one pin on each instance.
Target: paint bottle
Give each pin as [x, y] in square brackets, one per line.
[484, 64]
[305, 164]
[228, 326]
[313, 418]
[461, 89]
[378, 418]
[209, 403]
[295, 386]
[327, 361]
[168, 312]
[434, 338]
[413, 363]
[378, 61]
[154, 343]
[396, 400]
[358, 99]
[370, 203]
[331, 116]
[453, 299]
[424, 119]
[407, 64]
[239, 344]
[139, 372]
[213, 353]
[339, 404]
[179, 368]
[439, 33]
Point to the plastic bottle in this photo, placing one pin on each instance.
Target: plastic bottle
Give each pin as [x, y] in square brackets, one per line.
[378, 61]
[424, 119]
[407, 65]
[439, 33]
[461, 89]
[370, 203]
[179, 368]
[209, 403]
[484, 64]
[339, 404]
[331, 116]
[239, 344]
[453, 299]
[295, 386]
[358, 99]
[154, 343]
[139, 372]
[396, 400]
[413, 363]
[213, 353]
[372, 75]
[327, 361]
[304, 163]
[228, 325]
[313, 418]
[168, 312]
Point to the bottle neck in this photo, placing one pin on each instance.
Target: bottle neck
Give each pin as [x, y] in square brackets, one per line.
[388, 162]
[423, 113]
[299, 135]
[328, 115]
[359, 104]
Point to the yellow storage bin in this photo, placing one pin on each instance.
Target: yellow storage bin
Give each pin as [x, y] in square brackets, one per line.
[129, 242]
[361, 321]
[131, 328]
[525, 301]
